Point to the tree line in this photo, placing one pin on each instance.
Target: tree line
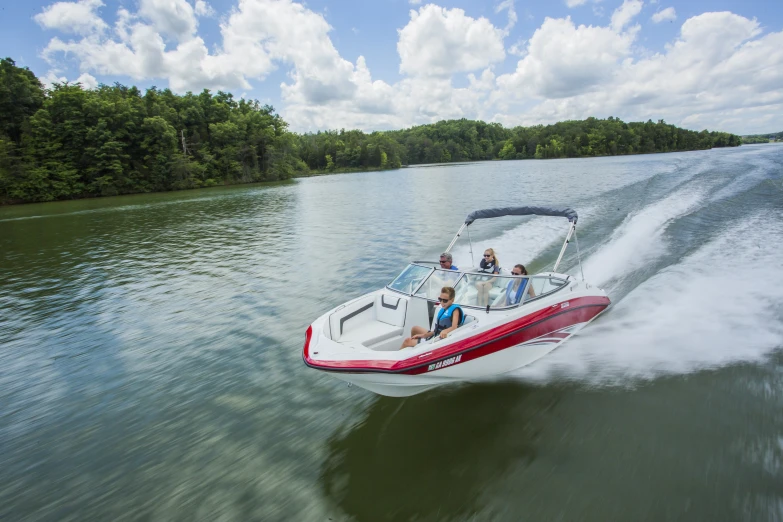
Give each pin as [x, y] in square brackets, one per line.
[68, 142]
[762, 138]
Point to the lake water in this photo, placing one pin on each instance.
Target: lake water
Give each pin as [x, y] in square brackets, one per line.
[150, 350]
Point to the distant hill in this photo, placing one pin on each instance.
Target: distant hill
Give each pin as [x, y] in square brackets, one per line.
[762, 138]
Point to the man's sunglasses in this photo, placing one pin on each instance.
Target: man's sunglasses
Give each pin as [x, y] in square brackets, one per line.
[443, 300]
[444, 261]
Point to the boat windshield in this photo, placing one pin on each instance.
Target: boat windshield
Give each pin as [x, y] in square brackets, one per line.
[410, 278]
[435, 283]
[499, 291]
[495, 290]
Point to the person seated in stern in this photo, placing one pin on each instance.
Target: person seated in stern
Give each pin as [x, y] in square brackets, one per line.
[516, 287]
[449, 318]
[488, 265]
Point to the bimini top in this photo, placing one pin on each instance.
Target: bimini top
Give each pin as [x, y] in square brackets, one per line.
[566, 212]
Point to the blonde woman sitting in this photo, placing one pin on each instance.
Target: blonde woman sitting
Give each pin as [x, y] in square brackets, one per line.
[491, 266]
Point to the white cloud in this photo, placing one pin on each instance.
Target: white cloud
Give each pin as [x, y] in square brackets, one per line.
[88, 81]
[440, 42]
[518, 48]
[53, 76]
[508, 5]
[203, 8]
[72, 17]
[665, 14]
[175, 18]
[575, 3]
[721, 72]
[563, 60]
[623, 15]
[289, 32]
[712, 76]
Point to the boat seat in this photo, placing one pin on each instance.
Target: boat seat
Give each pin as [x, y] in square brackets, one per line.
[390, 309]
[371, 333]
[468, 319]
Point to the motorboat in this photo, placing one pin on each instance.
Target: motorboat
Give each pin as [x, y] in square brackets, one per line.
[525, 318]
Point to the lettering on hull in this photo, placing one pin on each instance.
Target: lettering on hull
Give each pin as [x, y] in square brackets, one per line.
[444, 363]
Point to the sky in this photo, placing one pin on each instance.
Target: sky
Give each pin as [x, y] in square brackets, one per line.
[389, 64]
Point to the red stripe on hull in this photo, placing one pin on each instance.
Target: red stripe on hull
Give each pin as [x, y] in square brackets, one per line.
[537, 324]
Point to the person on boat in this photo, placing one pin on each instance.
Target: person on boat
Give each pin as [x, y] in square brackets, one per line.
[449, 318]
[488, 265]
[446, 262]
[516, 287]
[443, 276]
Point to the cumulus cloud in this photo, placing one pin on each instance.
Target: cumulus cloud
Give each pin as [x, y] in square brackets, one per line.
[714, 72]
[623, 15]
[202, 8]
[87, 81]
[564, 60]
[439, 42]
[72, 17]
[664, 15]
[175, 18]
[721, 71]
[518, 48]
[508, 5]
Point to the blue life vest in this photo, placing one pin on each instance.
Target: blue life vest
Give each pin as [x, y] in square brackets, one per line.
[445, 320]
[514, 297]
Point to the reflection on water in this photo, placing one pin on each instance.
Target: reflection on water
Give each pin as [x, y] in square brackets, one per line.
[150, 351]
[431, 457]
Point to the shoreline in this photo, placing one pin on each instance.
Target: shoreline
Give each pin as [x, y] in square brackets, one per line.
[319, 173]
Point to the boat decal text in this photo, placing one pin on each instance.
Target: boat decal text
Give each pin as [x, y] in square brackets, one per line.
[446, 362]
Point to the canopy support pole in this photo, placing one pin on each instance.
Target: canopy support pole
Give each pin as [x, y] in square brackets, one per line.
[571, 227]
[579, 254]
[470, 242]
[459, 233]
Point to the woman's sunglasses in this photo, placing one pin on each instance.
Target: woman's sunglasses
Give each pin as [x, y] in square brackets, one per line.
[487, 255]
[443, 300]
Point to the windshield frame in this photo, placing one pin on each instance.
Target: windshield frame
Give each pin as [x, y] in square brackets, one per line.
[414, 290]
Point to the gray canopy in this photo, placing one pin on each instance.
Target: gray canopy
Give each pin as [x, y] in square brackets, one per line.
[521, 211]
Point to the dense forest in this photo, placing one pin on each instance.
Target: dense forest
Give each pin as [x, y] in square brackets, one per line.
[763, 138]
[69, 142]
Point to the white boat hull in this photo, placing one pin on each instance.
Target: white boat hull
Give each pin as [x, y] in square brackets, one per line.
[494, 344]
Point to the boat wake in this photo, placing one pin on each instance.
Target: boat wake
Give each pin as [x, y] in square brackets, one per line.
[720, 305]
[640, 238]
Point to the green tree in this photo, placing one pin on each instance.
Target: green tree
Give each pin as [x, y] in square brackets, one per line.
[508, 151]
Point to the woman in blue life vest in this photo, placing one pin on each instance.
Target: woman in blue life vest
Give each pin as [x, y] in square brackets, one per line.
[449, 317]
[516, 287]
[491, 266]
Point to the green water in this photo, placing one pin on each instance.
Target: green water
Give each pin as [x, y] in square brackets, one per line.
[150, 350]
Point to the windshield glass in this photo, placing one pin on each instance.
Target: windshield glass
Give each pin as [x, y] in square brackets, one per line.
[493, 290]
[439, 278]
[410, 278]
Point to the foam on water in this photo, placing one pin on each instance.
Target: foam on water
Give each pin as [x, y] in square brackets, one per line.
[723, 304]
[640, 238]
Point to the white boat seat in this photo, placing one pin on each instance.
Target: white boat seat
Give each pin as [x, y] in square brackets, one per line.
[371, 333]
[390, 309]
